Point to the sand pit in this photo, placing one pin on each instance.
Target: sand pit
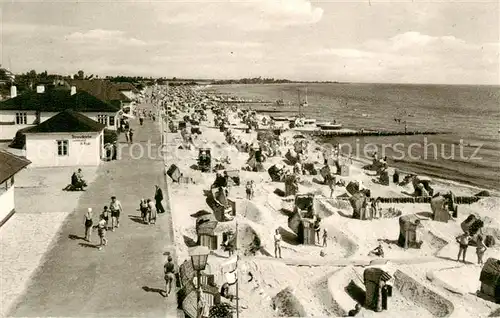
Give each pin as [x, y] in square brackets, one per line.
[287, 305]
[436, 304]
[347, 288]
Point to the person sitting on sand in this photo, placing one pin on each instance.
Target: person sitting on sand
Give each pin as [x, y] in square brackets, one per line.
[378, 251]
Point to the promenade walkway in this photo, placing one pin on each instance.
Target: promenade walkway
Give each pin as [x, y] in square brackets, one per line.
[125, 277]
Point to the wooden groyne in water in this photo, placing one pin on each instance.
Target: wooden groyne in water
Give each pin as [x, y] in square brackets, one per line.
[356, 133]
[413, 200]
[334, 133]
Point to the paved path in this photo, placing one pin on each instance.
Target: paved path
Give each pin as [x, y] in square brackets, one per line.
[124, 278]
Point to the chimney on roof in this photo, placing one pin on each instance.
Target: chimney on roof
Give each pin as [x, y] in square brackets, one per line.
[73, 90]
[40, 89]
[13, 91]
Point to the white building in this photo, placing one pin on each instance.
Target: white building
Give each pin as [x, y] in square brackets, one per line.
[10, 165]
[67, 139]
[33, 108]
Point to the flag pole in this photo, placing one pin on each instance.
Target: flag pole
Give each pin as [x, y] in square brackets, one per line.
[237, 278]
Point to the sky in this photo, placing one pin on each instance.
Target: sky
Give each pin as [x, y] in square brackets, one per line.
[440, 42]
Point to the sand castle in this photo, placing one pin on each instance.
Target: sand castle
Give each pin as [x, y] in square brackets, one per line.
[416, 229]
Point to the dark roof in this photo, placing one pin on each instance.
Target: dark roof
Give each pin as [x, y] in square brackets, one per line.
[67, 121]
[11, 164]
[57, 100]
[125, 86]
[102, 89]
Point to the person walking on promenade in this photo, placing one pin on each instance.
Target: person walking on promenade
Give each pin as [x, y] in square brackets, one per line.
[131, 135]
[141, 119]
[158, 199]
[169, 270]
[277, 244]
[325, 237]
[101, 231]
[116, 208]
[143, 207]
[151, 212]
[127, 136]
[480, 249]
[105, 215]
[88, 224]
[463, 242]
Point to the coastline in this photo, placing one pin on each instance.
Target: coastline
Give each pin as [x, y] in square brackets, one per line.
[460, 175]
[313, 281]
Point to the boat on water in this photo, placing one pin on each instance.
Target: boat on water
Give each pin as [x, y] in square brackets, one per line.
[329, 126]
[281, 118]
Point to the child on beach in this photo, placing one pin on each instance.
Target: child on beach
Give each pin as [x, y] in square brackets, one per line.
[480, 249]
[105, 215]
[277, 244]
[325, 238]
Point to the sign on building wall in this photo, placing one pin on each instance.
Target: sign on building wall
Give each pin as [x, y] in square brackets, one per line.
[82, 139]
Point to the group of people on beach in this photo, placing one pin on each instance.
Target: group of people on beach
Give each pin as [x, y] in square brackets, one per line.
[463, 244]
[111, 212]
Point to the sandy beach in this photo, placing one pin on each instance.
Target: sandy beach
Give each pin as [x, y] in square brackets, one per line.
[303, 282]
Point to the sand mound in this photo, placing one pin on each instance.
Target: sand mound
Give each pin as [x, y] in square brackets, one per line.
[288, 305]
[391, 213]
[495, 313]
[436, 304]
[324, 208]
[434, 241]
[250, 211]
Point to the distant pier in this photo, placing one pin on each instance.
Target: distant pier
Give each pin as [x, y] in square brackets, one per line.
[358, 133]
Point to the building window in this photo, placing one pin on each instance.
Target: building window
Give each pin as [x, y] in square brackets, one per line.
[103, 119]
[111, 120]
[62, 147]
[21, 118]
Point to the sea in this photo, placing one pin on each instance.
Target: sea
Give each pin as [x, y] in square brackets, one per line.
[469, 152]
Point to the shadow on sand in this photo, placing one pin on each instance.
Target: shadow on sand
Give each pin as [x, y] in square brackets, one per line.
[75, 237]
[389, 242]
[89, 245]
[153, 290]
[136, 219]
[317, 181]
[189, 241]
[425, 214]
[349, 216]
[288, 237]
[356, 292]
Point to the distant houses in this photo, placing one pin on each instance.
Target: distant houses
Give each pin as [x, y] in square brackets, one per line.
[118, 94]
[32, 108]
[10, 166]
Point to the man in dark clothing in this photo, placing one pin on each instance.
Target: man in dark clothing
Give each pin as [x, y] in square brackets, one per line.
[158, 199]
